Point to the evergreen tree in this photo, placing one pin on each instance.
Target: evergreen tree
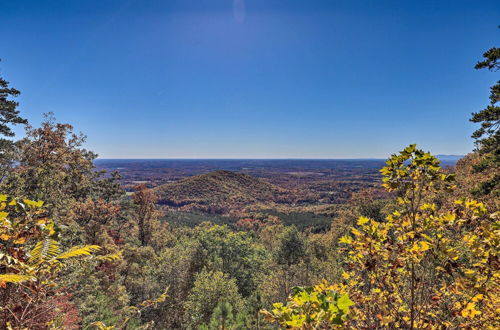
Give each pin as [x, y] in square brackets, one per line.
[488, 135]
[9, 115]
[8, 109]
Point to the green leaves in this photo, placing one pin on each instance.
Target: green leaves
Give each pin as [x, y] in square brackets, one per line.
[311, 308]
[344, 303]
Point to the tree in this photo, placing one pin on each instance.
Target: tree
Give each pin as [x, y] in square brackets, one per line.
[291, 248]
[291, 251]
[223, 318]
[210, 289]
[423, 267]
[8, 109]
[54, 167]
[9, 115]
[31, 262]
[96, 218]
[176, 268]
[145, 199]
[318, 307]
[233, 253]
[488, 135]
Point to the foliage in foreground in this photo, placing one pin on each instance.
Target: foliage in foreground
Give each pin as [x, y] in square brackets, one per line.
[317, 307]
[421, 267]
[31, 262]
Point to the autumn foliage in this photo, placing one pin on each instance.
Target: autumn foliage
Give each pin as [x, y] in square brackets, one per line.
[422, 266]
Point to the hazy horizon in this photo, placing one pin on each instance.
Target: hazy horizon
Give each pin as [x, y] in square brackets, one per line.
[270, 159]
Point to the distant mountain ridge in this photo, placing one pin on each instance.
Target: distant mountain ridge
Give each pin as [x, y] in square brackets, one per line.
[449, 158]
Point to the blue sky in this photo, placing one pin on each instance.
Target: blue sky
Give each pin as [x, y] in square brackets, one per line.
[253, 78]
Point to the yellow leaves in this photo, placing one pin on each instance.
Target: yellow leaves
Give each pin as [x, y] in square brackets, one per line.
[323, 286]
[110, 257]
[478, 297]
[33, 204]
[5, 237]
[102, 326]
[42, 221]
[452, 253]
[469, 272]
[419, 247]
[3, 215]
[356, 232]
[406, 223]
[478, 208]
[471, 204]
[448, 217]
[346, 239]
[385, 170]
[21, 240]
[353, 283]
[424, 246]
[427, 237]
[427, 206]
[277, 306]
[79, 251]
[154, 302]
[440, 269]
[387, 186]
[458, 278]
[301, 298]
[470, 311]
[362, 220]
[50, 229]
[311, 307]
[297, 321]
[357, 257]
[15, 278]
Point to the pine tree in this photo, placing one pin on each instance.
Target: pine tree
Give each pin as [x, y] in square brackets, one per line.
[488, 135]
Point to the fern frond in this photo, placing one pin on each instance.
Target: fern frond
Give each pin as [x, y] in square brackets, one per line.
[110, 257]
[79, 251]
[44, 250]
[15, 278]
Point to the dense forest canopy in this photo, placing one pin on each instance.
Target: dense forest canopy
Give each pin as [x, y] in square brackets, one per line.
[418, 251]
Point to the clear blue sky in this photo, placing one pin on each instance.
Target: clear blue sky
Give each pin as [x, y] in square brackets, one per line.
[253, 78]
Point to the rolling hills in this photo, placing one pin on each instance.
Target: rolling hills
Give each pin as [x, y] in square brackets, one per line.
[220, 188]
[220, 191]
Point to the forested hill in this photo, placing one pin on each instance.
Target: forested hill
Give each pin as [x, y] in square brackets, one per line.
[221, 188]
